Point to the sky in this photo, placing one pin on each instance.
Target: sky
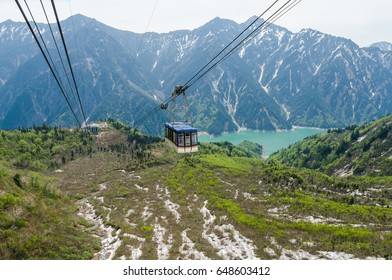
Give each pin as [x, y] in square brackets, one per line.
[363, 21]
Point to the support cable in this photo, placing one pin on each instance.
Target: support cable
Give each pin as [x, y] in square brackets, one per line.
[77, 48]
[44, 44]
[69, 61]
[257, 30]
[238, 36]
[58, 51]
[47, 60]
[286, 7]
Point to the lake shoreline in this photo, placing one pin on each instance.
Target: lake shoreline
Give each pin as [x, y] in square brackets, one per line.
[271, 141]
[294, 127]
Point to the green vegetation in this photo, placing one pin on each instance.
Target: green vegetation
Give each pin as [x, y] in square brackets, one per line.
[211, 117]
[245, 149]
[356, 150]
[43, 148]
[299, 193]
[131, 181]
[38, 222]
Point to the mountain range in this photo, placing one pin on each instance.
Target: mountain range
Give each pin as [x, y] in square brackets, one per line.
[276, 80]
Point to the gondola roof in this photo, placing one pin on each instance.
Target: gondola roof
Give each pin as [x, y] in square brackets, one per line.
[181, 127]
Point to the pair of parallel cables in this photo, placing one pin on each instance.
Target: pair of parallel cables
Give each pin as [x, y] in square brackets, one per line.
[239, 41]
[214, 62]
[37, 34]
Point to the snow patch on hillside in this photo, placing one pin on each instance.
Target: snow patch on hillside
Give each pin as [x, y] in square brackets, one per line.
[301, 254]
[188, 249]
[146, 214]
[126, 218]
[110, 242]
[136, 252]
[172, 208]
[226, 239]
[164, 247]
[141, 188]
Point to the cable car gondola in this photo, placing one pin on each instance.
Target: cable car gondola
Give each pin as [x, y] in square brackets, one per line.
[180, 135]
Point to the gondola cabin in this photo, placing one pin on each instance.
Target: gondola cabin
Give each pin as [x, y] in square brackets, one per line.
[182, 137]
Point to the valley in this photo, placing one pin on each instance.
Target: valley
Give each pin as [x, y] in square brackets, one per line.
[116, 190]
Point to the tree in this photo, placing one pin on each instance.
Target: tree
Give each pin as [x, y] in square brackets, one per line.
[18, 179]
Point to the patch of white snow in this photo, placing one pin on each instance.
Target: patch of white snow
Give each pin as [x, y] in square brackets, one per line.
[136, 252]
[140, 188]
[172, 208]
[146, 214]
[229, 242]
[163, 249]
[188, 249]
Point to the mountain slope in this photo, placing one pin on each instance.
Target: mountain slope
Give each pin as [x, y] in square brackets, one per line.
[384, 46]
[358, 150]
[109, 86]
[209, 206]
[16, 48]
[37, 221]
[275, 80]
[352, 86]
[144, 201]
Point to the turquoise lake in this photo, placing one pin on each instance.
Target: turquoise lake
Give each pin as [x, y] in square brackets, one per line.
[271, 141]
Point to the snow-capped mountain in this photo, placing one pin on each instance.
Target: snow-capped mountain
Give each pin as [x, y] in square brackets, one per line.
[384, 46]
[275, 80]
[15, 43]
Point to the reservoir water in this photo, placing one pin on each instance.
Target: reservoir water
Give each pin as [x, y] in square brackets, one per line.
[271, 141]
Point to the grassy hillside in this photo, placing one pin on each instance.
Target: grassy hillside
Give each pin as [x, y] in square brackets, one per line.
[217, 205]
[124, 195]
[200, 206]
[36, 220]
[356, 150]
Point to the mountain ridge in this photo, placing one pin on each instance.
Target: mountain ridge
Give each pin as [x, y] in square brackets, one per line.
[383, 45]
[269, 77]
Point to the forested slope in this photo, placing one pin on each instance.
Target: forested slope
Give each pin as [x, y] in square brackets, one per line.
[356, 150]
[37, 221]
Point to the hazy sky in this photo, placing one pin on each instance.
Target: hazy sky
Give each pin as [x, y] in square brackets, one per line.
[363, 21]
